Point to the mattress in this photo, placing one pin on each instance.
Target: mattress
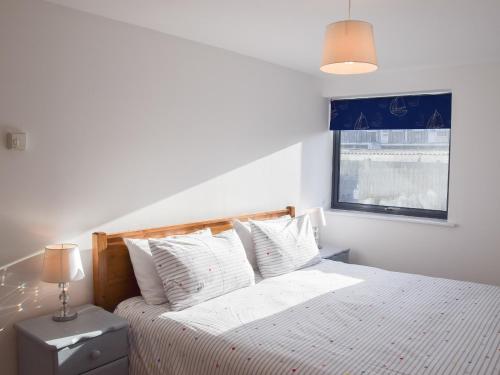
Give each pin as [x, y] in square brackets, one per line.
[331, 318]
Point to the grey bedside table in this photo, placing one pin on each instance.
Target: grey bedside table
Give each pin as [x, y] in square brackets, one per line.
[95, 343]
[335, 253]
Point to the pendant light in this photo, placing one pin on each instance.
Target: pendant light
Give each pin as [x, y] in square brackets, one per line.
[349, 47]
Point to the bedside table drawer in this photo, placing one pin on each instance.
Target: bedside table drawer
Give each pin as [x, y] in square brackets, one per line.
[119, 367]
[92, 353]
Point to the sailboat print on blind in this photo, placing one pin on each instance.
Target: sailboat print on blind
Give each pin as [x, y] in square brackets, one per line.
[398, 107]
[361, 123]
[435, 121]
[396, 112]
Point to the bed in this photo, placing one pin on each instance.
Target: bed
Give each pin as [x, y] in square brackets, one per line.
[330, 318]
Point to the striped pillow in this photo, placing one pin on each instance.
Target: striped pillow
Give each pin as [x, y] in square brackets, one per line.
[195, 269]
[245, 233]
[144, 268]
[283, 246]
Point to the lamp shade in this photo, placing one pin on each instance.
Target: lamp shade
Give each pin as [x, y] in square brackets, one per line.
[62, 263]
[317, 216]
[349, 48]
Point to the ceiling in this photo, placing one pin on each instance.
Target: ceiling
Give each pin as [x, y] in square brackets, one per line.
[408, 33]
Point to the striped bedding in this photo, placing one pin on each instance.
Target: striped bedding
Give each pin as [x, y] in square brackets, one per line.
[330, 318]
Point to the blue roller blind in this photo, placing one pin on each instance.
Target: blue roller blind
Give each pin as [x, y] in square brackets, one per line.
[424, 111]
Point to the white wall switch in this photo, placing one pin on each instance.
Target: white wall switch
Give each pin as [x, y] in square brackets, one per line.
[16, 141]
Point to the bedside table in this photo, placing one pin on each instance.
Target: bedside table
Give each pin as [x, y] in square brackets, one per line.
[95, 343]
[335, 253]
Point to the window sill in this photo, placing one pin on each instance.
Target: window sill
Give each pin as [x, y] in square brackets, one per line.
[388, 217]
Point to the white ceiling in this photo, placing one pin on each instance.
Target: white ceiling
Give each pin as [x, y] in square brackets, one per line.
[409, 33]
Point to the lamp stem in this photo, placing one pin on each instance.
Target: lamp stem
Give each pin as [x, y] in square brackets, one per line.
[64, 313]
[63, 297]
[316, 237]
[349, 12]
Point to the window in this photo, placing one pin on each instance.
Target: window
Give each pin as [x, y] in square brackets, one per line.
[400, 169]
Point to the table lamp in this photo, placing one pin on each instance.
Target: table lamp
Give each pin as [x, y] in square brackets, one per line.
[317, 216]
[62, 264]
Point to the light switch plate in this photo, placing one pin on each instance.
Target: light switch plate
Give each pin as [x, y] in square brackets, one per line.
[16, 141]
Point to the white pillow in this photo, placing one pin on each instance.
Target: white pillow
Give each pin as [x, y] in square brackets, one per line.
[245, 233]
[144, 269]
[194, 269]
[282, 246]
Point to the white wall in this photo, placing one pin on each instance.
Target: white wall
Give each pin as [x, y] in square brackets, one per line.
[129, 128]
[470, 251]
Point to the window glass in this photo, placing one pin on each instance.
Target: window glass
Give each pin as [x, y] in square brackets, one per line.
[394, 168]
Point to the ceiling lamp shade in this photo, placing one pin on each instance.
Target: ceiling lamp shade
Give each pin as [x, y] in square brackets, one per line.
[349, 48]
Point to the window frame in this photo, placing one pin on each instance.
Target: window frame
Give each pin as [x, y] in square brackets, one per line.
[390, 210]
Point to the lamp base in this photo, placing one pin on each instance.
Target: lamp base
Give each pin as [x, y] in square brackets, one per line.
[64, 318]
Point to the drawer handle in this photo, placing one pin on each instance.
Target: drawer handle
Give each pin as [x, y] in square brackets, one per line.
[94, 354]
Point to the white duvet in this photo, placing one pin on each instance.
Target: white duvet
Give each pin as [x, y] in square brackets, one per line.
[331, 318]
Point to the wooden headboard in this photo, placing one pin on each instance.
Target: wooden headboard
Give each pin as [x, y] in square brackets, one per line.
[114, 279]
